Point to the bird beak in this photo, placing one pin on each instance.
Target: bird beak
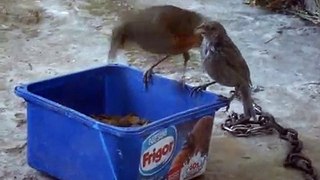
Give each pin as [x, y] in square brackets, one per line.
[200, 29]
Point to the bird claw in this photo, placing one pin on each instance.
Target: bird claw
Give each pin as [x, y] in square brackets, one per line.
[147, 77]
[228, 103]
[183, 82]
[228, 106]
[228, 99]
[198, 89]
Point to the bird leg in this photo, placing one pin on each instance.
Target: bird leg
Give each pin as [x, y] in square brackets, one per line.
[234, 94]
[148, 74]
[200, 88]
[186, 57]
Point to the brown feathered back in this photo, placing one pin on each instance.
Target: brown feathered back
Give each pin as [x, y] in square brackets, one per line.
[163, 29]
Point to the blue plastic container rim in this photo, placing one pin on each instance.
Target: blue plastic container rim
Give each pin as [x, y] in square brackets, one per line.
[22, 91]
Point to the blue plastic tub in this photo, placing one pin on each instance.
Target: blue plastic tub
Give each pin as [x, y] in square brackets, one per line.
[65, 142]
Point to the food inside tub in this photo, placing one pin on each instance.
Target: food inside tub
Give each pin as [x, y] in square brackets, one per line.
[129, 120]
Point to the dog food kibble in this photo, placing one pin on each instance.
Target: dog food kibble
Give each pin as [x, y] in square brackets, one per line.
[125, 121]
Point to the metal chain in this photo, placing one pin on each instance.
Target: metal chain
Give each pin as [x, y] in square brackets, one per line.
[239, 126]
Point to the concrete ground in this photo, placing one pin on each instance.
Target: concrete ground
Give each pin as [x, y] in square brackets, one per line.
[42, 39]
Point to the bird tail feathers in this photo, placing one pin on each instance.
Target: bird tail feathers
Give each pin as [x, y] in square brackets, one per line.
[247, 101]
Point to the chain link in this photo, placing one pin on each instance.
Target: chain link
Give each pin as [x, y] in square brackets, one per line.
[239, 126]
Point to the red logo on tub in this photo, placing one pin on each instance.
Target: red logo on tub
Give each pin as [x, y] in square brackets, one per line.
[194, 167]
[157, 150]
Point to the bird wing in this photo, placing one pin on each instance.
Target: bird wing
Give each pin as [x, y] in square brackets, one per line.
[234, 59]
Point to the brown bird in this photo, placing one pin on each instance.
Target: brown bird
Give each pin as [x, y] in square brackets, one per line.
[224, 63]
[165, 29]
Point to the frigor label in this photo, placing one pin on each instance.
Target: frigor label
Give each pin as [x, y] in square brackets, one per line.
[157, 150]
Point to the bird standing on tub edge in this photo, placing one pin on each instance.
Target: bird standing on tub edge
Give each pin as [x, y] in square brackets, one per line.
[167, 30]
[224, 63]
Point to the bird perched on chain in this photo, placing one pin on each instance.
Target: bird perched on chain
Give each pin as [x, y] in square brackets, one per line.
[224, 63]
[165, 29]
